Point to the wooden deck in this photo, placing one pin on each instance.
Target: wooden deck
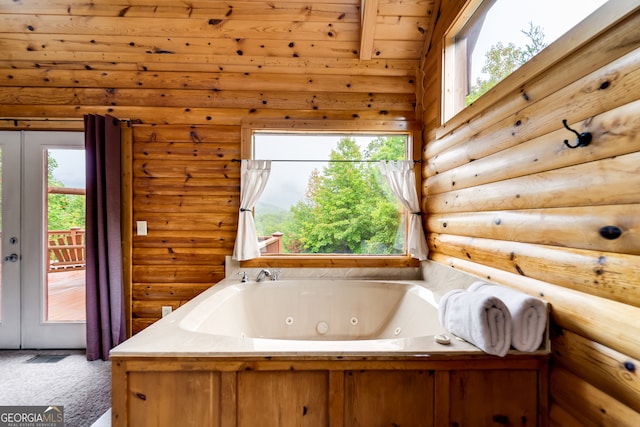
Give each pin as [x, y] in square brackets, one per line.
[66, 295]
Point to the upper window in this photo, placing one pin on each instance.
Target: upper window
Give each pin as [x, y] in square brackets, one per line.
[326, 195]
[492, 38]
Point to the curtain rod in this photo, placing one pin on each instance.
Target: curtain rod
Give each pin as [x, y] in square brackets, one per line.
[326, 161]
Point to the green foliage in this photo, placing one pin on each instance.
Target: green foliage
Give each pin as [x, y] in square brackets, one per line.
[501, 60]
[535, 34]
[64, 210]
[52, 165]
[348, 208]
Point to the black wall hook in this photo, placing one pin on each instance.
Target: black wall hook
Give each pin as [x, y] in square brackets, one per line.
[583, 140]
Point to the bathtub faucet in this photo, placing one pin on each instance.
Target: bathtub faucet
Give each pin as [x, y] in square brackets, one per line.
[267, 273]
[263, 273]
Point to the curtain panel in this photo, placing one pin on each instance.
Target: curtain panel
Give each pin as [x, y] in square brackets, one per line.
[254, 175]
[402, 181]
[106, 326]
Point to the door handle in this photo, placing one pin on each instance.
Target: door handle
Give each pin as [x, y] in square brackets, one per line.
[11, 258]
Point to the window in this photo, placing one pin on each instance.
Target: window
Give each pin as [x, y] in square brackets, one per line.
[326, 195]
[492, 38]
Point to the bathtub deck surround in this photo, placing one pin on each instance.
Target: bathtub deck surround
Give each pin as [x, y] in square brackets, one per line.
[314, 348]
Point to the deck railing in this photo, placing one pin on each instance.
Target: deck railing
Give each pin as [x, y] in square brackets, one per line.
[66, 249]
[271, 244]
[67, 252]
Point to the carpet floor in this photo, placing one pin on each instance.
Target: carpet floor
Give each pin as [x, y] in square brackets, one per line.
[38, 377]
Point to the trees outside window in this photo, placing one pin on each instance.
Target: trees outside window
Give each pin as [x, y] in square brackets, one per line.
[502, 60]
[346, 206]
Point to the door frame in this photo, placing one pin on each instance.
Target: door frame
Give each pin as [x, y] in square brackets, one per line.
[10, 329]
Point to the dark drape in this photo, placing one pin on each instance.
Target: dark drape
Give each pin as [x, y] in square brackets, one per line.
[105, 296]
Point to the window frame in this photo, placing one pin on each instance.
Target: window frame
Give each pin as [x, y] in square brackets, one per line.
[567, 44]
[454, 61]
[413, 129]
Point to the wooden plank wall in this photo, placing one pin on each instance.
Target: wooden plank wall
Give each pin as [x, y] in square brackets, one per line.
[207, 62]
[187, 188]
[509, 202]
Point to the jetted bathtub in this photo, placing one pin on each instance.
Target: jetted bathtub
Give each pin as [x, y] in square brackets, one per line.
[323, 310]
[297, 315]
[321, 352]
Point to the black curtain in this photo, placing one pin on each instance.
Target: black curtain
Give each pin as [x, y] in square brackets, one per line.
[105, 294]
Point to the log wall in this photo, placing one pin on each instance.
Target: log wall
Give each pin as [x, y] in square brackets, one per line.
[507, 201]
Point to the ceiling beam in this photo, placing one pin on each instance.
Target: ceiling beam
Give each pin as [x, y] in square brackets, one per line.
[369, 13]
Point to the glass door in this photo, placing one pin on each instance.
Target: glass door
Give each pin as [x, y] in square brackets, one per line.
[10, 239]
[53, 287]
[42, 288]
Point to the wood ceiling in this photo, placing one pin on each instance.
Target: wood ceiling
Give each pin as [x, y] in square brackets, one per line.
[339, 59]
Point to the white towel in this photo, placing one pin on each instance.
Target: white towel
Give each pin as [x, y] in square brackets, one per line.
[481, 319]
[528, 314]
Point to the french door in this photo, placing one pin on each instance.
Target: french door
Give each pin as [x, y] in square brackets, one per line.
[42, 280]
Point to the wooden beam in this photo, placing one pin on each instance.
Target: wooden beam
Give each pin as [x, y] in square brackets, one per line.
[604, 274]
[126, 189]
[57, 25]
[66, 190]
[587, 403]
[368, 28]
[30, 123]
[563, 187]
[604, 368]
[569, 227]
[212, 81]
[191, 115]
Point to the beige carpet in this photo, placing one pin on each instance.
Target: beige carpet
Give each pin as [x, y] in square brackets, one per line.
[82, 387]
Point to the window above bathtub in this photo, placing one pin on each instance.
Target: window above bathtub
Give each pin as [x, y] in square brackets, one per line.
[490, 39]
[325, 195]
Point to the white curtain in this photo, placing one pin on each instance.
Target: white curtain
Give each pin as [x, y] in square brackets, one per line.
[254, 175]
[402, 180]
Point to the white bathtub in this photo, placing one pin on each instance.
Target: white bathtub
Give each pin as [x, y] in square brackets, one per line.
[323, 310]
[300, 316]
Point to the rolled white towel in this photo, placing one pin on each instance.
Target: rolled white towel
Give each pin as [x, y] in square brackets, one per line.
[481, 319]
[528, 314]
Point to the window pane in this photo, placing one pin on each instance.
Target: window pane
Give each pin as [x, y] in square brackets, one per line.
[326, 195]
[501, 35]
[65, 235]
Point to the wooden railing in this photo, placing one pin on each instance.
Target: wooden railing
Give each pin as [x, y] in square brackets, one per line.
[67, 252]
[66, 249]
[271, 244]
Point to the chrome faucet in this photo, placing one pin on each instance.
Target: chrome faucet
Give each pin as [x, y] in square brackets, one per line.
[263, 273]
[273, 274]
